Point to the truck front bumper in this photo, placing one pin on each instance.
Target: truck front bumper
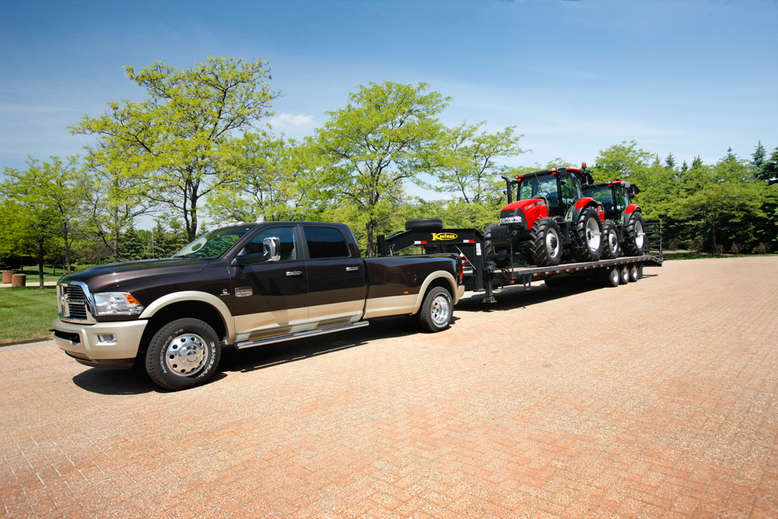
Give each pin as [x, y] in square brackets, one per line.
[110, 345]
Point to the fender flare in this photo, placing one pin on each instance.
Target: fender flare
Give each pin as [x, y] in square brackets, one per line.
[438, 274]
[188, 296]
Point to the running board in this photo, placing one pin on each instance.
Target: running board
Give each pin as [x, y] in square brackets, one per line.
[300, 335]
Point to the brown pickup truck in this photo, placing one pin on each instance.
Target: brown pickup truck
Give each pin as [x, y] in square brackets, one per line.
[243, 286]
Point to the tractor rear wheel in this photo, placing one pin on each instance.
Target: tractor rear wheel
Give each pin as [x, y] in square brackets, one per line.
[589, 232]
[610, 243]
[635, 235]
[545, 243]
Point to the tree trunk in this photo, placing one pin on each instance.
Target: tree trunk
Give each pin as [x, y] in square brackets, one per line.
[66, 236]
[371, 246]
[40, 263]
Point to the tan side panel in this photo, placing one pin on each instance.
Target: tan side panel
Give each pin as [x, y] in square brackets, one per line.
[277, 322]
[392, 305]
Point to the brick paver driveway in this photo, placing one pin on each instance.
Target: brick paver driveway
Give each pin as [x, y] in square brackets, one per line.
[655, 399]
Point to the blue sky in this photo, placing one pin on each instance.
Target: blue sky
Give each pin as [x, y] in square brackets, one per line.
[688, 77]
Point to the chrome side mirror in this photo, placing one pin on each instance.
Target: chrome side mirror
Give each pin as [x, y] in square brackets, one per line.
[271, 249]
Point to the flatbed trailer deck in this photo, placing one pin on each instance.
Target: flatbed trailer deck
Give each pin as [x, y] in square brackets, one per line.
[481, 272]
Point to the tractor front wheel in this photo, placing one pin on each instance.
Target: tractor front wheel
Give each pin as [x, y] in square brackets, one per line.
[635, 235]
[546, 243]
[610, 243]
[589, 232]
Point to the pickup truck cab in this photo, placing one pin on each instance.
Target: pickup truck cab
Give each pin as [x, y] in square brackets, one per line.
[243, 286]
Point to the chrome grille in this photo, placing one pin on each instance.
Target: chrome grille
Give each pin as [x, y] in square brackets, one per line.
[75, 299]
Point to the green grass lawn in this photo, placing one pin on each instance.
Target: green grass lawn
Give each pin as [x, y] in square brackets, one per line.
[26, 313]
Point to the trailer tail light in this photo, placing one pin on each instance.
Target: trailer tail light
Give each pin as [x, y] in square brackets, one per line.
[468, 241]
[420, 242]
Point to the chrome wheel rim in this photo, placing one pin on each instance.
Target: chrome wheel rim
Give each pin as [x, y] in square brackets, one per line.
[441, 310]
[639, 234]
[552, 243]
[592, 234]
[185, 355]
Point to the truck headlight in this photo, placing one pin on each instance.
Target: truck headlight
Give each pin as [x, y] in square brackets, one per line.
[117, 303]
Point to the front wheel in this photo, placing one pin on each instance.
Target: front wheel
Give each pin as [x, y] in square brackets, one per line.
[436, 310]
[610, 243]
[635, 235]
[183, 353]
[545, 243]
[589, 232]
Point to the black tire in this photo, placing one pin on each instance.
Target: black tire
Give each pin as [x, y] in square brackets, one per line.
[624, 274]
[635, 241]
[545, 243]
[436, 310]
[610, 241]
[588, 230]
[169, 368]
[424, 224]
[633, 273]
[497, 244]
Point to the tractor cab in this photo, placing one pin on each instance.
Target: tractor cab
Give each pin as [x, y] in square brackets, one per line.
[615, 196]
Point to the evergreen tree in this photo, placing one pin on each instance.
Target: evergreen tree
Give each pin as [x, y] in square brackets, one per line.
[758, 156]
[770, 168]
[684, 167]
[670, 161]
[697, 162]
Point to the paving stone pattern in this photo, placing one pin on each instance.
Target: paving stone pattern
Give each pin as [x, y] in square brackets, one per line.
[654, 399]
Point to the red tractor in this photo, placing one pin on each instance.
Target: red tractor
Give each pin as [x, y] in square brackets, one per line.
[624, 228]
[551, 218]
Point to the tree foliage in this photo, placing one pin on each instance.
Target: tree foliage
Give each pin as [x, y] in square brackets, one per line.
[387, 133]
[178, 138]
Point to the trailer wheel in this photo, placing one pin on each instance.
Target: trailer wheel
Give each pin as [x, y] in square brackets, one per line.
[610, 243]
[624, 275]
[640, 271]
[436, 310]
[589, 232]
[633, 272]
[182, 354]
[545, 243]
[613, 277]
[424, 224]
[635, 235]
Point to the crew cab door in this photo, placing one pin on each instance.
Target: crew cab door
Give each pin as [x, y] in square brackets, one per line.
[270, 297]
[337, 285]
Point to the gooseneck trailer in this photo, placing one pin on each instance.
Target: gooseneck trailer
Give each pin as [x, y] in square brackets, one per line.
[487, 268]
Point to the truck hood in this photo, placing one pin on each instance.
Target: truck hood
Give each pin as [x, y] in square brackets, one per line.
[134, 274]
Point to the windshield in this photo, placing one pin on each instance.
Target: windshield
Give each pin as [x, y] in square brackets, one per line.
[213, 244]
[536, 186]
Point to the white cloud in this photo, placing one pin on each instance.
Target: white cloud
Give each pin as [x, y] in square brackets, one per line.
[293, 123]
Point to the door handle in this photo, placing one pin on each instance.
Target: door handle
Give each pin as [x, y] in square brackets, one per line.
[352, 269]
[290, 273]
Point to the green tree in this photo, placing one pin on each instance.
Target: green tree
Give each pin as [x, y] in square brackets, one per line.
[757, 158]
[469, 161]
[50, 199]
[271, 179]
[176, 140]
[670, 161]
[386, 134]
[625, 161]
[770, 169]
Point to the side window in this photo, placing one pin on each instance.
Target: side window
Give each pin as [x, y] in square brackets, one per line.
[285, 234]
[621, 203]
[325, 242]
[568, 191]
